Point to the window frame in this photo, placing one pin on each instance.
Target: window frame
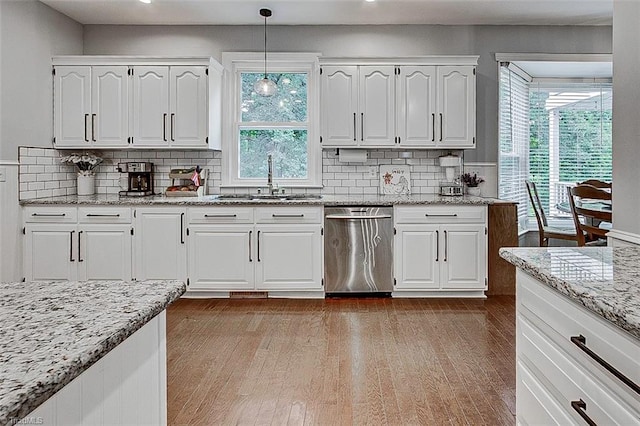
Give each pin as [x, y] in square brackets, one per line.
[236, 63]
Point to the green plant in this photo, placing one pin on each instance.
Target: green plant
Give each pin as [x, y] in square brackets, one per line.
[471, 180]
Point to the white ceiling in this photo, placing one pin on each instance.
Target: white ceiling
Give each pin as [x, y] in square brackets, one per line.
[336, 12]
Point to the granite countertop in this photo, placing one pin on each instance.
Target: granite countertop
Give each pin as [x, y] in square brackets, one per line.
[605, 280]
[326, 200]
[53, 331]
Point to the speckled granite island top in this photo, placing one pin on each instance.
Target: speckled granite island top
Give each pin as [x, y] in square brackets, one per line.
[326, 200]
[604, 280]
[53, 331]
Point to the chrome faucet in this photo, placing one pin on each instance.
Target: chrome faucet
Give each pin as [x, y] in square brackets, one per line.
[270, 186]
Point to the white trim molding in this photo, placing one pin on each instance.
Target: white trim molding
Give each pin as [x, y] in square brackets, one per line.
[555, 57]
[617, 238]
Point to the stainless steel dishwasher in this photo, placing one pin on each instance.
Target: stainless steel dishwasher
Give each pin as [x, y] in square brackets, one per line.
[358, 250]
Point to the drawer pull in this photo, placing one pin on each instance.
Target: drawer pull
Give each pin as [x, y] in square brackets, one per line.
[48, 214]
[442, 215]
[103, 215]
[581, 407]
[287, 215]
[220, 215]
[581, 342]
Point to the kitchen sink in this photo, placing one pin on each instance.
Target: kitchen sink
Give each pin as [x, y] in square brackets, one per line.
[269, 197]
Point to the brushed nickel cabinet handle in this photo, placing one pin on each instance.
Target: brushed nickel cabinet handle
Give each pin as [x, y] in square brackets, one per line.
[103, 215]
[440, 127]
[441, 215]
[220, 215]
[581, 342]
[258, 246]
[48, 214]
[362, 126]
[250, 259]
[581, 407]
[287, 215]
[437, 245]
[181, 228]
[79, 255]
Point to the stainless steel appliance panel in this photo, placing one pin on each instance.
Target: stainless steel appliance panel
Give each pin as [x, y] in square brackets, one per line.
[358, 249]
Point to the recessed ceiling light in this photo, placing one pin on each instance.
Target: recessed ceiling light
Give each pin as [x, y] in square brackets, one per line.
[368, 1]
[149, 1]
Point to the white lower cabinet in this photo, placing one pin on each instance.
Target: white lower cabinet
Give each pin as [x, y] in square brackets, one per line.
[67, 243]
[565, 362]
[276, 249]
[160, 243]
[440, 250]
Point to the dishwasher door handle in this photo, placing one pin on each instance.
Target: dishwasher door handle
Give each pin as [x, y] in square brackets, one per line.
[347, 217]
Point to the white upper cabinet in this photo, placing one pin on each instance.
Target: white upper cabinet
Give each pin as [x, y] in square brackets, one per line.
[129, 102]
[91, 106]
[151, 106]
[416, 106]
[377, 105]
[358, 106]
[339, 105]
[457, 106]
[188, 106]
[425, 103]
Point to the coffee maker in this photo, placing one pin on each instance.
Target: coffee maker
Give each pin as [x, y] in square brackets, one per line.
[139, 178]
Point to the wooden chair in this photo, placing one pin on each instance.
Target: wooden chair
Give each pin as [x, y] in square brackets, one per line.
[597, 183]
[544, 230]
[586, 220]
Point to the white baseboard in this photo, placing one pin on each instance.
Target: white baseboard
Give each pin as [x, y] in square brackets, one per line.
[617, 238]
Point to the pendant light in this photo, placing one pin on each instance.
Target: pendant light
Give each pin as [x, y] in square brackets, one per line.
[264, 86]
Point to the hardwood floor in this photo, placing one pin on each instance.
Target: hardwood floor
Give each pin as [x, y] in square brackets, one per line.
[342, 361]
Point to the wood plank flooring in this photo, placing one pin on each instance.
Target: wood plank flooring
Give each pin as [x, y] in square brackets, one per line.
[341, 362]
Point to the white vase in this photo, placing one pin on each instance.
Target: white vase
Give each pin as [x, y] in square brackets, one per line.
[473, 190]
[86, 184]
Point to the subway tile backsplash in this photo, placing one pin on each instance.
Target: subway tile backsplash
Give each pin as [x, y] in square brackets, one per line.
[43, 175]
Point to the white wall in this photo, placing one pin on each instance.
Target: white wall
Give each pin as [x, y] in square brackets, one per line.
[30, 33]
[366, 41]
[626, 119]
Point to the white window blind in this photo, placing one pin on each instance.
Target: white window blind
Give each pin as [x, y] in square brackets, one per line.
[513, 159]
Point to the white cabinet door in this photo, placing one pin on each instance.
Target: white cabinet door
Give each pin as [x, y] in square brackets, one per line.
[417, 257]
[416, 106]
[160, 244]
[221, 257]
[464, 257]
[104, 252]
[50, 252]
[72, 110]
[188, 106]
[151, 106]
[289, 257]
[456, 106]
[109, 106]
[377, 106]
[339, 99]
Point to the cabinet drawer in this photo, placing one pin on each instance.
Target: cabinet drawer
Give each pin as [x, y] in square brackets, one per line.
[220, 215]
[53, 214]
[440, 214]
[288, 215]
[104, 215]
[562, 319]
[566, 379]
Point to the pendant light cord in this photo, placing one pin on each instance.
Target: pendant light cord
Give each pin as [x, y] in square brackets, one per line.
[265, 47]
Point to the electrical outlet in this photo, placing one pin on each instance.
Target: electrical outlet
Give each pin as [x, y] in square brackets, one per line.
[373, 172]
[3, 174]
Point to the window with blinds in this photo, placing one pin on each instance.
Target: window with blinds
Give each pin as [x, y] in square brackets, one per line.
[553, 132]
[513, 158]
[570, 138]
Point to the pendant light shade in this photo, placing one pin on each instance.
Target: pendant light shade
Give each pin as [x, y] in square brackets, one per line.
[264, 86]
